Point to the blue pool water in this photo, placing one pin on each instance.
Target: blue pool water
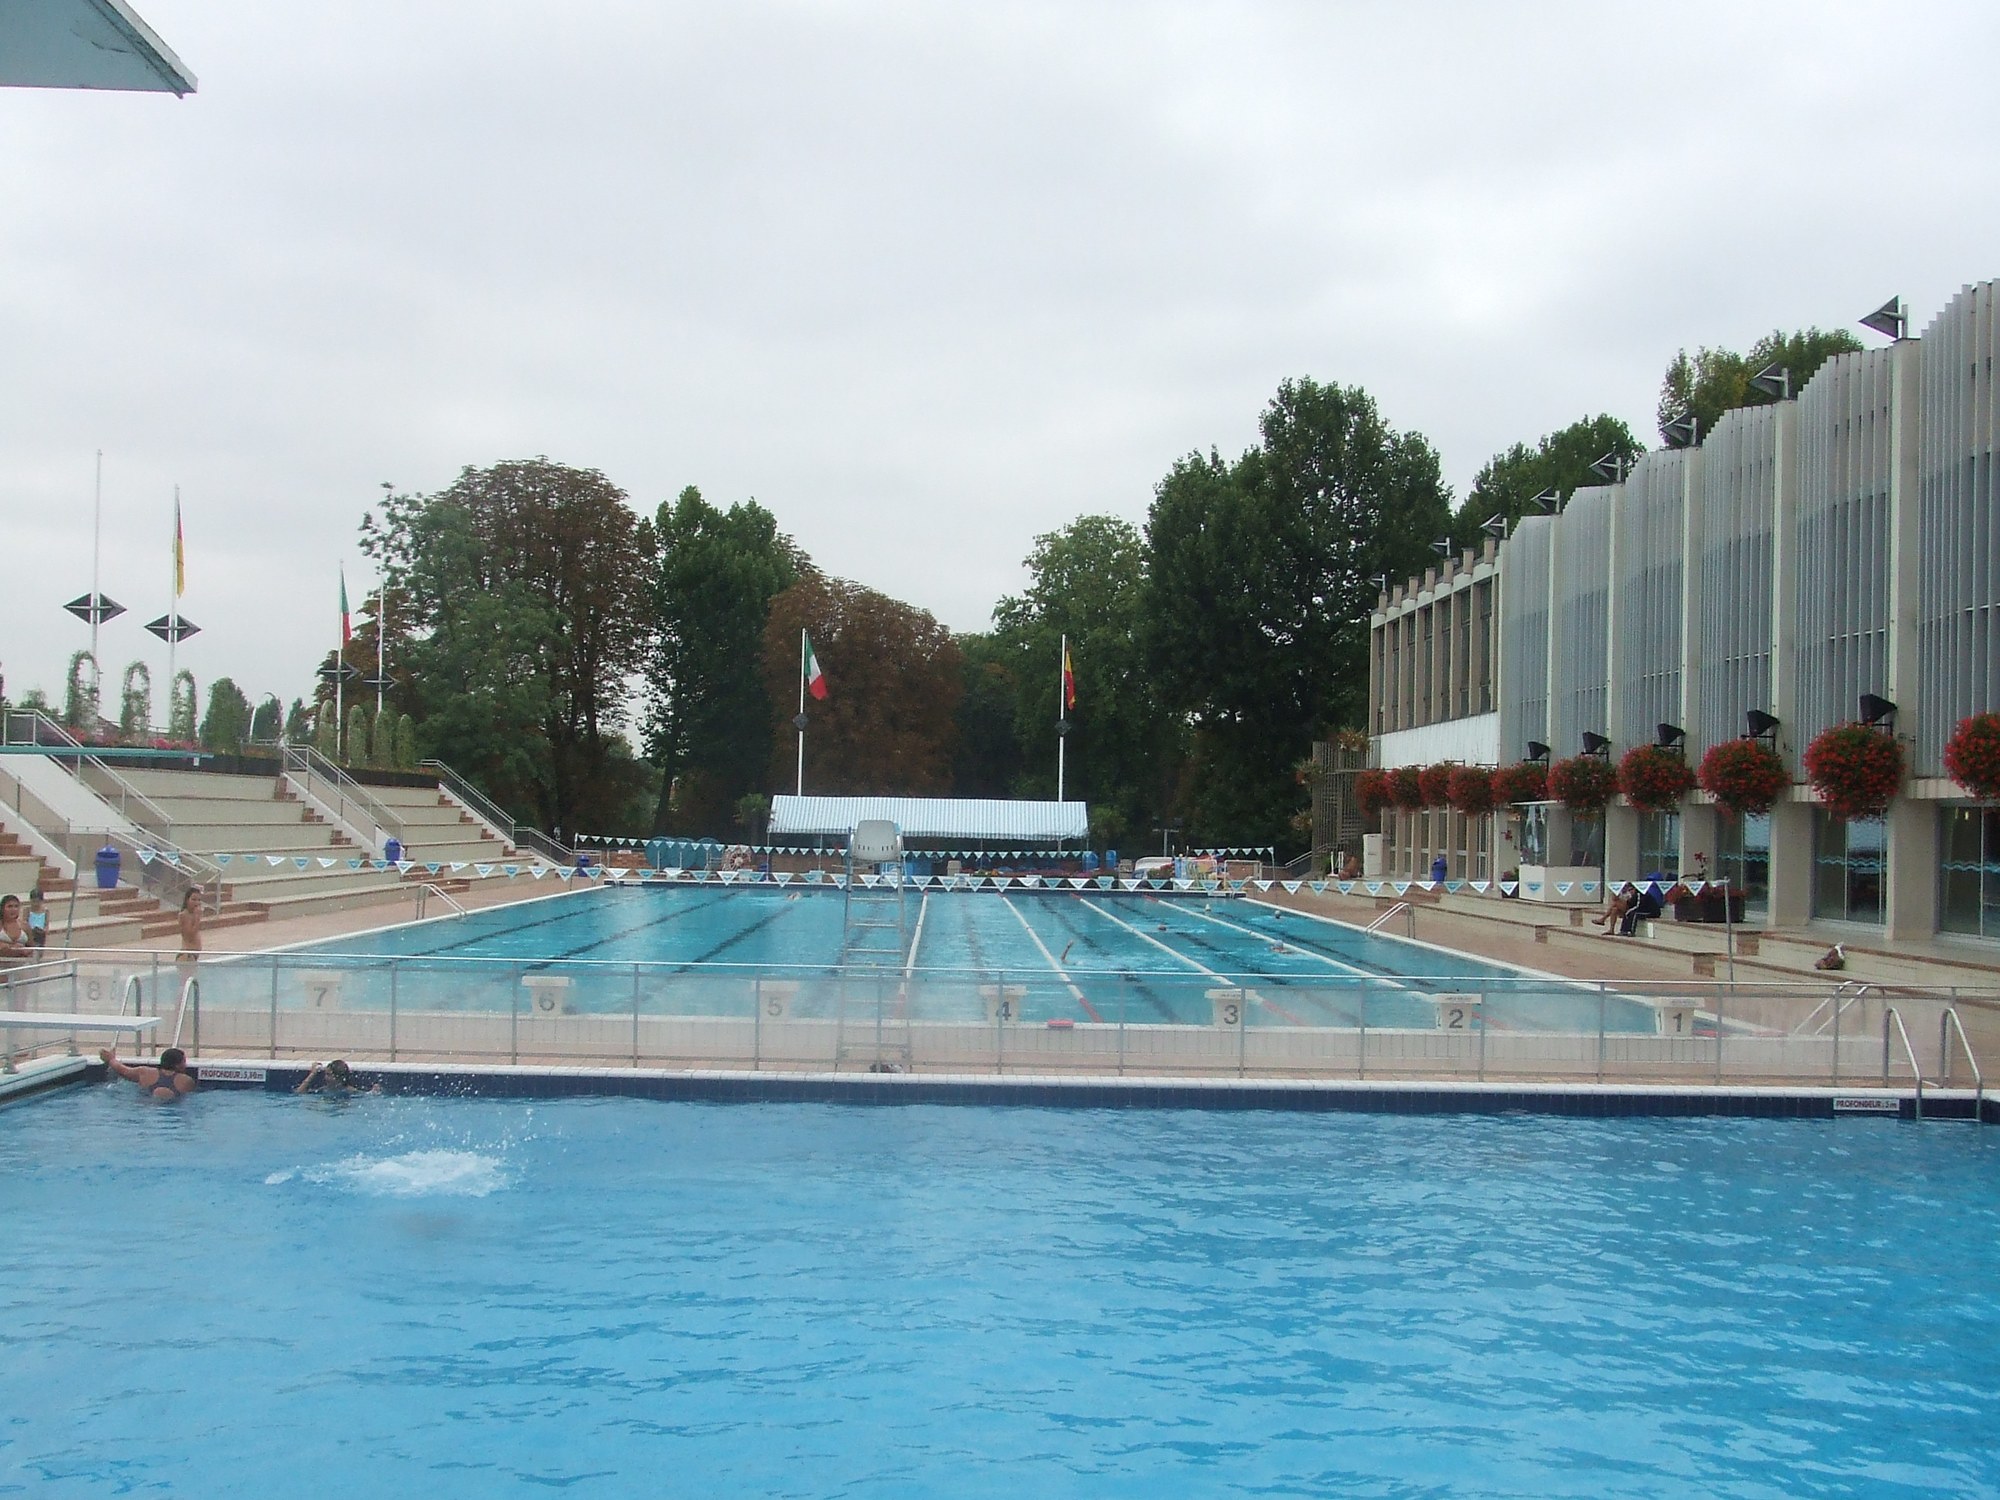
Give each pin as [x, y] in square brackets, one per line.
[256, 1295]
[1087, 956]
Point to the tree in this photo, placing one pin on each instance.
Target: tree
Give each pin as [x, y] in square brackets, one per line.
[1508, 482]
[265, 721]
[80, 693]
[354, 748]
[298, 726]
[406, 743]
[227, 723]
[753, 813]
[1257, 594]
[709, 721]
[382, 739]
[988, 761]
[135, 702]
[181, 700]
[1087, 583]
[1714, 381]
[523, 585]
[888, 725]
[326, 732]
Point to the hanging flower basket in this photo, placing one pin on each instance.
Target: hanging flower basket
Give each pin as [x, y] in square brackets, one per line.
[1856, 770]
[1436, 783]
[1972, 756]
[1654, 779]
[1583, 783]
[1406, 788]
[1527, 781]
[1371, 792]
[1744, 776]
[1471, 790]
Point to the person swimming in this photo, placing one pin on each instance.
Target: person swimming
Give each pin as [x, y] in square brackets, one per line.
[165, 1084]
[333, 1078]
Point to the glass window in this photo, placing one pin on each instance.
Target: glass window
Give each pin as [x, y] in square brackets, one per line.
[1586, 839]
[1535, 834]
[1659, 844]
[1969, 871]
[1743, 858]
[1848, 867]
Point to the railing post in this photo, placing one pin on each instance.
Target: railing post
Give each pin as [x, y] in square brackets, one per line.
[1836, 1038]
[274, 1007]
[1361, 1040]
[757, 1025]
[1887, 1013]
[394, 971]
[635, 1015]
[1482, 1030]
[1719, 996]
[1243, 1033]
[514, 1017]
[1600, 1032]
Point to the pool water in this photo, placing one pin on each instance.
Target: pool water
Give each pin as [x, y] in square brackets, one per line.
[1086, 956]
[257, 1295]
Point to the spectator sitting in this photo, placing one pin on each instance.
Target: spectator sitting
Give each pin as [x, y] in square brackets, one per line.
[14, 939]
[38, 919]
[1614, 914]
[1646, 906]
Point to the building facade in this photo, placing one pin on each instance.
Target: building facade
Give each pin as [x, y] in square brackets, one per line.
[1840, 543]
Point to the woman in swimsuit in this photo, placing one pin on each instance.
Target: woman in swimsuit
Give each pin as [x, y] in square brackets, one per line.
[14, 941]
[167, 1083]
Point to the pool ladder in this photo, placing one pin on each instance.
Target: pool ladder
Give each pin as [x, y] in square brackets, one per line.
[874, 917]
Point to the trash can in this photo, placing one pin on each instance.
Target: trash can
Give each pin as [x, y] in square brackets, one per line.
[108, 859]
[392, 850]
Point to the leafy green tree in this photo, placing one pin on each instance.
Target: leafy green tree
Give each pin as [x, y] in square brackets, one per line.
[382, 739]
[80, 693]
[1087, 582]
[265, 721]
[523, 584]
[1713, 381]
[753, 814]
[406, 743]
[1257, 594]
[298, 723]
[227, 723]
[326, 731]
[354, 750]
[135, 702]
[181, 700]
[988, 761]
[888, 725]
[709, 720]
[1508, 482]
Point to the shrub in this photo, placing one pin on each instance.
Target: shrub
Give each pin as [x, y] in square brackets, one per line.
[1471, 790]
[1527, 781]
[1654, 778]
[1856, 770]
[1371, 792]
[1972, 756]
[1583, 783]
[1436, 784]
[1744, 776]
[1406, 788]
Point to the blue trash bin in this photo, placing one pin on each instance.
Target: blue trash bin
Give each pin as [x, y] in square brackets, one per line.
[392, 851]
[108, 860]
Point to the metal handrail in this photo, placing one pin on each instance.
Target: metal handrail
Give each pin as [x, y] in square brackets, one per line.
[135, 991]
[1948, 1023]
[305, 763]
[520, 835]
[1890, 1014]
[1848, 993]
[192, 986]
[1400, 909]
[425, 890]
[40, 723]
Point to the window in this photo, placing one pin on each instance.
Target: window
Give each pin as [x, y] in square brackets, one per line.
[1969, 872]
[1659, 845]
[1743, 858]
[1848, 868]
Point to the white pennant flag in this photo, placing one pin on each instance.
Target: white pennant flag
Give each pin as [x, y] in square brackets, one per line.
[1482, 886]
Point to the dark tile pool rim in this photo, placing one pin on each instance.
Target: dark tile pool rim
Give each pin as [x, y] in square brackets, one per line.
[1369, 1096]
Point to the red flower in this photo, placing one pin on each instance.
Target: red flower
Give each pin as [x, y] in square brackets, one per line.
[1371, 792]
[1471, 790]
[1583, 783]
[1653, 778]
[1744, 776]
[1856, 770]
[1972, 756]
[1436, 783]
[1406, 788]
[1527, 781]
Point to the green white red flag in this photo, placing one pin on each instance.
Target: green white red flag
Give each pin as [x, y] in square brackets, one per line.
[815, 678]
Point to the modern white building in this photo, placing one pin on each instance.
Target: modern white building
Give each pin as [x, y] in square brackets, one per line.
[1803, 554]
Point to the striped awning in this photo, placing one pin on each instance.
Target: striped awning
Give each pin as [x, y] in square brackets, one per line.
[933, 818]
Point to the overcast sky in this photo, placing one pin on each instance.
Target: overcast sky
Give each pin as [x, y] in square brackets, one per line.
[924, 279]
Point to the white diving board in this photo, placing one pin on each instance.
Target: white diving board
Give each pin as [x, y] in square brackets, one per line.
[37, 1020]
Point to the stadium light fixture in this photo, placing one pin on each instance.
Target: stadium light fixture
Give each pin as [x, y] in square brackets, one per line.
[1889, 319]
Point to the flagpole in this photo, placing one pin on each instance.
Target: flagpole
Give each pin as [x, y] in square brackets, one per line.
[340, 675]
[381, 656]
[1062, 714]
[173, 606]
[802, 712]
[96, 549]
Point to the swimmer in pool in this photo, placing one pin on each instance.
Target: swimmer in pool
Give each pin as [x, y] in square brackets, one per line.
[335, 1079]
[169, 1082]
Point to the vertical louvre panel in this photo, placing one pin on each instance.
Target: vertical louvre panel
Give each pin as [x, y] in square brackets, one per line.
[1843, 542]
[1524, 637]
[1649, 514]
[1738, 515]
[1958, 592]
[1582, 620]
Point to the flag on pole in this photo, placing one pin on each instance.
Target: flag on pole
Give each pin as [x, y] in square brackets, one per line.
[815, 678]
[346, 623]
[180, 550]
[1069, 679]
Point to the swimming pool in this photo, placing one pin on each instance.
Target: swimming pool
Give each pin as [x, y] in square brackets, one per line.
[1096, 956]
[255, 1295]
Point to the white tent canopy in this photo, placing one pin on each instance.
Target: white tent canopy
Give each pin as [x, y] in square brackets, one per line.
[965, 818]
[85, 44]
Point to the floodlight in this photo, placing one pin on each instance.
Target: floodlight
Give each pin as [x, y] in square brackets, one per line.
[1537, 750]
[1495, 527]
[95, 609]
[171, 628]
[1760, 725]
[1666, 736]
[1684, 431]
[1889, 318]
[1875, 709]
[1595, 744]
[1612, 468]
[1547, 500]
[1774, 380]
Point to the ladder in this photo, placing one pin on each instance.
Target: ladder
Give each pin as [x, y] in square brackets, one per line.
[872, 1022]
